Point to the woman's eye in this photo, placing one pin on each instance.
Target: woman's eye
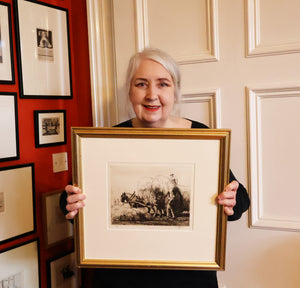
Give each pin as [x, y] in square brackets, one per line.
[164, 84]
[141, 84]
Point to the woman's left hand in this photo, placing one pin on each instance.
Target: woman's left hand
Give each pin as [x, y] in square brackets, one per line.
[228, 197]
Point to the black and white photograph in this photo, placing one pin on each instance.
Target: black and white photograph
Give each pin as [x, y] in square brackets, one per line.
[50, 127]
[43, 50]
[7, 75]
[151, 194]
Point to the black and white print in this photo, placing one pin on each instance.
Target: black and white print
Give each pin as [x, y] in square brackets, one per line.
[151, 194]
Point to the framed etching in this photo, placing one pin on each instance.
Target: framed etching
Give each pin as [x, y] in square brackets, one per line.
[7, 73]
[20, 266]
[9, 149]
[63, 273]
[17, 206]
[43, 49]
[155, 189]
[50, 127]
[56, 227]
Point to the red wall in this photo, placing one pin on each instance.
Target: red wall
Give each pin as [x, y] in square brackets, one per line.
[78, 112]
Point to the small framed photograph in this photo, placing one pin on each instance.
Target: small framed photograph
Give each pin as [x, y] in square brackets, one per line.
[50, 127]
[20, 266]
[7, 73]
[17, 202]
[56, 227]
[155, 189]
[44, 54]
[63, 273]
[9, 149]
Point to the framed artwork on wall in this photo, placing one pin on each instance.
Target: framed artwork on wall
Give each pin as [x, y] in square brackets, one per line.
[7, 74]
[145, 185]
[9, 147]
[50, 128]
[63, 273]
[17, 202]
[43, 49]
[20, 266]
[56, 227]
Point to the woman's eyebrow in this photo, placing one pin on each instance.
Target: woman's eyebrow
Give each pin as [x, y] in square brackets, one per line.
[164, 79]
[140, 79]
[158, 79]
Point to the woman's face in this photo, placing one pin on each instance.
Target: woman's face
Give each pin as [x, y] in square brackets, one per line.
[152, 94]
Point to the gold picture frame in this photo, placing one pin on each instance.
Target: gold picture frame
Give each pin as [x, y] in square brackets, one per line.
[151, 197]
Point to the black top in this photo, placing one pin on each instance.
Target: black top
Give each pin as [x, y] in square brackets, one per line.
[146, 278]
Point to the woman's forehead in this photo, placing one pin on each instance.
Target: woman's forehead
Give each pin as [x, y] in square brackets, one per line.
[150, 68]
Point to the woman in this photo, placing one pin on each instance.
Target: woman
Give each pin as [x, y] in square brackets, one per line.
[153, 85]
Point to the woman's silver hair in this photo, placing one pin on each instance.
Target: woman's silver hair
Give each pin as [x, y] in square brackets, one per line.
[160, 57]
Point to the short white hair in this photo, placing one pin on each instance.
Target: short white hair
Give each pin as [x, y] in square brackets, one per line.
[160, 57]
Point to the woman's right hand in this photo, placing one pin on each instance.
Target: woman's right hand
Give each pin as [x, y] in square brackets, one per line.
[75, 200]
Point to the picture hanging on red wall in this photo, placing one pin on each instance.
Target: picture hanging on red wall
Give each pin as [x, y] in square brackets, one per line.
[9, 144]
[20, 265]
[63, 272]
[17, 202]
[43, 50]
[56, 227]
[7, 75]
[50, 127]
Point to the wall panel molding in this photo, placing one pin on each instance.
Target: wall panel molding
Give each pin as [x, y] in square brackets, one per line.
[212, 33]
[101, 50]
[211, 102]
[255, 44]
[262, 171]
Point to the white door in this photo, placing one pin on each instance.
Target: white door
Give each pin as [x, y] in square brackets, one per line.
[240, 70]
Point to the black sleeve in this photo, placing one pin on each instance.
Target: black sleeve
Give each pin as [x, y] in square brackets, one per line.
[242, 200]
[63, 203]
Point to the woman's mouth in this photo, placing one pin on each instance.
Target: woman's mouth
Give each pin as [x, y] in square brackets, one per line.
[151, 108]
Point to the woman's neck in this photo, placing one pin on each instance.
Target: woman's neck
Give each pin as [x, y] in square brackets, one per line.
[171, 122]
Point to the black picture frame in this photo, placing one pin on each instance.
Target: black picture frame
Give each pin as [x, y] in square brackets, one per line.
[57, 229]
[50, 128]
[17, 223]
[43, 46]
[18, 261]
[7, 74]
[63, 272]
[9, 126]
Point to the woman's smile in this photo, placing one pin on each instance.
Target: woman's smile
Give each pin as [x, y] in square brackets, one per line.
[151, 108]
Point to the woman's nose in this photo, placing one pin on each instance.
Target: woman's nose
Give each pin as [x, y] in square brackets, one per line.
[152, 92]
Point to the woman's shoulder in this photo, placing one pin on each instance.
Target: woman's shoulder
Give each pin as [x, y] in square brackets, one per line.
[196, 124]
[127, 123]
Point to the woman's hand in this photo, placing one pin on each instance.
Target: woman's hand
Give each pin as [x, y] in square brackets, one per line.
[75, 200]
[228, 197]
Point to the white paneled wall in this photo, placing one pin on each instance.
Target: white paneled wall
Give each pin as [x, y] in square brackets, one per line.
[240, 70]
[273, 27]
[274, 152]
[192, 41]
